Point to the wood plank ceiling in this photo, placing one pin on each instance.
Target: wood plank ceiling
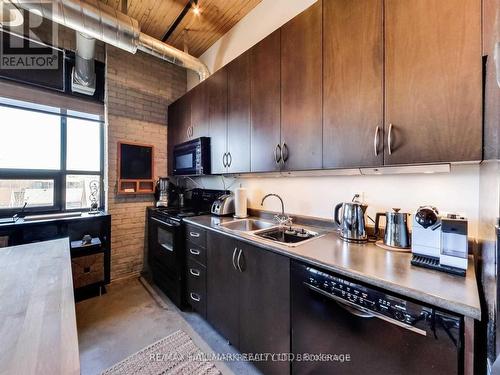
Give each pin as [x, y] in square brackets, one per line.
[215, 19]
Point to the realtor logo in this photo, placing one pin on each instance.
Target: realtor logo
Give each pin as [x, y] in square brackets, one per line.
[27, 36]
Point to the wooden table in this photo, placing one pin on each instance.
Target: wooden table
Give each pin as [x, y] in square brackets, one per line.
[37, 310]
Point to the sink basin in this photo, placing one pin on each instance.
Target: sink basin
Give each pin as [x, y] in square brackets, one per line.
[287, 235]
[247, 225]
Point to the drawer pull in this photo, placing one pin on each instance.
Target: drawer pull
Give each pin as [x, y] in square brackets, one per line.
[194, 251]
[194, 234]
[194, 272]
[195, 297]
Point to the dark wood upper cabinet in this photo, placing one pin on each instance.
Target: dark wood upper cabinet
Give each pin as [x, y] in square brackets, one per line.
[238, 118]
[222, 286]
[217, 99]
[301, 90]
[199, 110]
[265, 111]
[265, 306]
[433, 81]
[353, 128]
[179, 125]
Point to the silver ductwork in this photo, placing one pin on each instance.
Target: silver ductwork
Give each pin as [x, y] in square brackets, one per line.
[83, 74]
[99, 21]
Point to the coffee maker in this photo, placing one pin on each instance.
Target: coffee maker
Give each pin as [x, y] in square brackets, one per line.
[162, 192]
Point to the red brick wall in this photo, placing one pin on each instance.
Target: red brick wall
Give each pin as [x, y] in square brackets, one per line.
[138, 88]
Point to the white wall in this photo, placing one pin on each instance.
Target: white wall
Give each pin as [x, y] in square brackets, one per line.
[457, 191]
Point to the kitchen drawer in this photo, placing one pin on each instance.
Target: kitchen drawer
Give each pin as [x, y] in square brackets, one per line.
[196, 287]
[196, 253]
[196, 235]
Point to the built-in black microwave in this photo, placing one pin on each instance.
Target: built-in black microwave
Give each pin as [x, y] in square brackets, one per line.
[192, 158]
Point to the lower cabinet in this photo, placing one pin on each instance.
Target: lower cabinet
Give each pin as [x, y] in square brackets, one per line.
[248, 298]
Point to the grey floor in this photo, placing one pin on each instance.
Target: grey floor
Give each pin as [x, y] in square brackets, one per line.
[133, 315]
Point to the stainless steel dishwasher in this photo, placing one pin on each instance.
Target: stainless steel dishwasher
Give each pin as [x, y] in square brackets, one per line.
[343, 327]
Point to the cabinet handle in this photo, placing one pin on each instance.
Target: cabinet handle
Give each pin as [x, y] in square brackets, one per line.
[195, 297]
[224, 160]
[194, 234]
[284, 152]
[194, 251]
[277, 153]
[194, 272]
[238, 261]
[234, 256]
[230, 159]
[375, 141]
[389, 139]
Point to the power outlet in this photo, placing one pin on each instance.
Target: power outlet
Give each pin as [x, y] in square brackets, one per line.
[361, 195]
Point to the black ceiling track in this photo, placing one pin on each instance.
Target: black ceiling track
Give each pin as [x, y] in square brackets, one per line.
[179, 19]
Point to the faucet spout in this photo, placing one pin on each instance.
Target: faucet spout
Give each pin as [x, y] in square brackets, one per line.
[281, 219]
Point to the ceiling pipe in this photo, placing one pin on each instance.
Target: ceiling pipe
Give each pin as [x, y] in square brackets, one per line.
[99, 21]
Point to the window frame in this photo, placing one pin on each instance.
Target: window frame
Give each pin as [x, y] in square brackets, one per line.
[58, 176]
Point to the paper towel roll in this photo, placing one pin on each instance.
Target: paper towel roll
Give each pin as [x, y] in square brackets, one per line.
[240, 203]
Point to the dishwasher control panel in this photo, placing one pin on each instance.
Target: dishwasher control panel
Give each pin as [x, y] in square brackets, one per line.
[370, 299]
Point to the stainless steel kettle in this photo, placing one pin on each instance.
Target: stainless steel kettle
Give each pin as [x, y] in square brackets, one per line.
[396, 233]
[350, 217]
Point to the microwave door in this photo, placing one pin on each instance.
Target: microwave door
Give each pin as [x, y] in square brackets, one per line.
[185, 163]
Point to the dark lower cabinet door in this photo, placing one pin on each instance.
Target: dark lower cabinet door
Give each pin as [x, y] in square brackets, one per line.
[301, 90]
[353, 91]
[265, 306]
[265, 117]
[222, 287]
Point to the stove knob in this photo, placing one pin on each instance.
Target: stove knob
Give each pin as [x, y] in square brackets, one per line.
[399, 315]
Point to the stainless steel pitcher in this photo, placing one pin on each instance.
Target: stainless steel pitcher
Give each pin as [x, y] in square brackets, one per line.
[350, 217]
[397, 233]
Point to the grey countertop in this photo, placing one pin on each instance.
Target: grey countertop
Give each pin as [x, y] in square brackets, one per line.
[373, 265]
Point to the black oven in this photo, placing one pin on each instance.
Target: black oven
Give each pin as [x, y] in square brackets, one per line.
[192, 158]
[166, 255]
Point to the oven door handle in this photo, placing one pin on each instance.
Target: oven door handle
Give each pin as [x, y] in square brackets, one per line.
[164, 223]
[166, 247]
[364, 313]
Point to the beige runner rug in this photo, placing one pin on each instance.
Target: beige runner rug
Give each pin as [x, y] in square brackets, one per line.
[175, 354]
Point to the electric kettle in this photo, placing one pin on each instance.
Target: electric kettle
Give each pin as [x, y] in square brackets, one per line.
[350, 217]
[396, 233]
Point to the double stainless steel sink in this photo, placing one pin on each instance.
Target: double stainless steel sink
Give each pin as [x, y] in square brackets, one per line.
[269, 231]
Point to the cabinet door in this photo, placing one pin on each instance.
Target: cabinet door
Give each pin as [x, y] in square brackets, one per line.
[353, 83]
[265, 306]
[301, 90]
[199, 110]
[222, 286]
[217, 98]
[265, 103]
[238, 119]
[433, 81]
[179, 125]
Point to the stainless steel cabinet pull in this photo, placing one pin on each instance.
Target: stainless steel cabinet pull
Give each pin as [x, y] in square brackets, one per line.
[234, 256]
[277, 154]
[194, 251]
[194, 272]
[195, 297]
[284, 153]
[224, 160]
[238, 261]
[194, 234]
[389, 139]
[189, 131]
[375, 140]
[230, 159]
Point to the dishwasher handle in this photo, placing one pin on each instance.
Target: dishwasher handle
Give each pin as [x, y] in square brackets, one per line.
[361, 312]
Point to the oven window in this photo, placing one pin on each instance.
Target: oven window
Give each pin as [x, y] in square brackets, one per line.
[184, 161]
[166, 239]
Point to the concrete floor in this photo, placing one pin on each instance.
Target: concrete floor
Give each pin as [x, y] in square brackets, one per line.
[130, 317]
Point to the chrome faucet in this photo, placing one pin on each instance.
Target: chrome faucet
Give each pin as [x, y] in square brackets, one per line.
[282, 219]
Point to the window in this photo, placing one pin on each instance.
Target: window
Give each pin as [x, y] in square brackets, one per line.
[50, 159]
